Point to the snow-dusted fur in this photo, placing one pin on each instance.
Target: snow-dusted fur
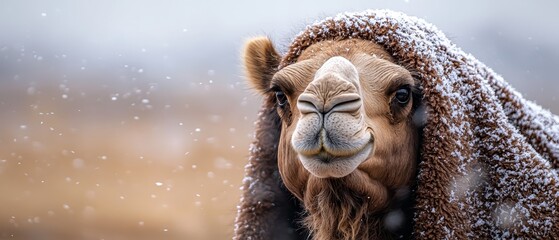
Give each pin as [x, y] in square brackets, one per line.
[488, 159]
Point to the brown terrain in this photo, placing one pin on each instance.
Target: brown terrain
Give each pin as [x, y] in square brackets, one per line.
[157, 161]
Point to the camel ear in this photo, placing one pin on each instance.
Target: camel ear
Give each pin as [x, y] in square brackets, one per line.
[261, 61]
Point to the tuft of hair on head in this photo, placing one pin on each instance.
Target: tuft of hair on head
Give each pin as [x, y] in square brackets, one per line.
[261, 61]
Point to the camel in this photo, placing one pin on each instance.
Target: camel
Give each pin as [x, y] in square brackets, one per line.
[374, 125]
[349, 143]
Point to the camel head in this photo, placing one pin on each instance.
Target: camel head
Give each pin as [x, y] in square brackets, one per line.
[348, 141]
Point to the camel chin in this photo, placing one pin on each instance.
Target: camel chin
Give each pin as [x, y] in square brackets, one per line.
[324, 166]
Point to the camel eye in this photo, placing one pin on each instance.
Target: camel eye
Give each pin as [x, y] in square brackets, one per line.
[403, 95]
[281, 98]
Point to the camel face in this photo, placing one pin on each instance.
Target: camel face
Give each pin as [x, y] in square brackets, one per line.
[346, 110]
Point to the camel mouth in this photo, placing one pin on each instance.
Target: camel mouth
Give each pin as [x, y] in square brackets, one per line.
[325, 165]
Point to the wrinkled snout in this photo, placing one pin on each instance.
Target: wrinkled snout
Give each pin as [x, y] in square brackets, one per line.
[336, 85]
[331, 128]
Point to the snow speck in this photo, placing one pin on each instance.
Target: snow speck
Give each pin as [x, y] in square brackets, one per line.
[141, 70]
[88, 212]
[222, 163]
[197, 130]
[78, 163]
[31, 90]
[141, 223]
[159, 184]
[64, 96]
[23, 127]
[145, 101]
[66, 206]
[394, 220]
[43, 14]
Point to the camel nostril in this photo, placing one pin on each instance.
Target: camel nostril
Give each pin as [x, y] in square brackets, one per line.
[348, 102]
[308, 103]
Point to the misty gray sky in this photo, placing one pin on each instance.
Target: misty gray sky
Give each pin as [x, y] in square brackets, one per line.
[186, 39]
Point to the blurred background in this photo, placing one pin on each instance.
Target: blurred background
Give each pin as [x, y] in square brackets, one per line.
[131, 120]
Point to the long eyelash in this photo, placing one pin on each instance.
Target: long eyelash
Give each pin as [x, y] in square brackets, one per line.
[273, 88]
[415, 98]
[272, 91]
[283, 111]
